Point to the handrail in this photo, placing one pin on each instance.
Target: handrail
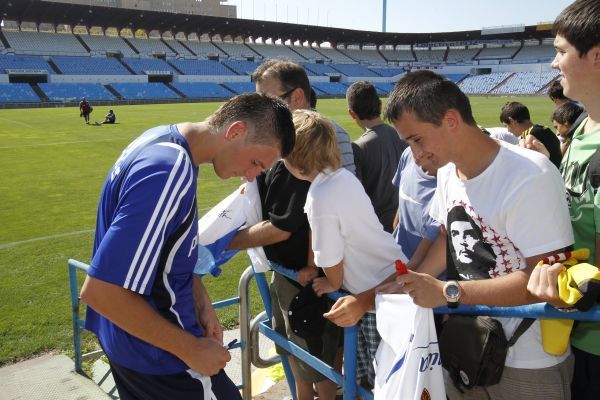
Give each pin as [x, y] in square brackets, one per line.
[537, 310]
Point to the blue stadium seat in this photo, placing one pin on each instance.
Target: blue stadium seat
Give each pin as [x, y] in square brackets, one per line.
[203, 90]
[141, 65]
[242, 67]
[354, 70]
[241, 87]
[332, 88]
[456, 77]
[89, 66]
[140, 91]
[17, 93]
[75, 91]
[201, 67]
[23, 62]
[320, 69]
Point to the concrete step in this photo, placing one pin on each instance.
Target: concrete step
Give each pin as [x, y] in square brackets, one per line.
[49, 377]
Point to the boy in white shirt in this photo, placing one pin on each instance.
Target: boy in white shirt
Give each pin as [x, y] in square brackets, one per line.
[348, 240]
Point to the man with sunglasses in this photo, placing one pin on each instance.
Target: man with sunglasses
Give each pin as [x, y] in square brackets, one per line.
[284, 233]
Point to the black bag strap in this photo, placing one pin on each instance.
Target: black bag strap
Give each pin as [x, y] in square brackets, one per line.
[523, 326]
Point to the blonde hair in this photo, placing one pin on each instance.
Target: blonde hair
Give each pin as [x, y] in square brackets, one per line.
[316, 147]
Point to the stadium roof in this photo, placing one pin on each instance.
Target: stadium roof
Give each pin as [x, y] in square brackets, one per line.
[76, 14]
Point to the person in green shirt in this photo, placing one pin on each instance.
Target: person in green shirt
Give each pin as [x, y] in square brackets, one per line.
[577, 44]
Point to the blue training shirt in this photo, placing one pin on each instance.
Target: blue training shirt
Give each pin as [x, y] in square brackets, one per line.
[415, 189]
[146, 242]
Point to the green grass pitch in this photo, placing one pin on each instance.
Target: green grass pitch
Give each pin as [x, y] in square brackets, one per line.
[52, 169]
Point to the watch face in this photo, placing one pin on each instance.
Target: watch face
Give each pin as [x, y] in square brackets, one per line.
[452, 291]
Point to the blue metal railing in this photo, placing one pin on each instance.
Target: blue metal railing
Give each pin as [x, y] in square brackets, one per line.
[348, 379]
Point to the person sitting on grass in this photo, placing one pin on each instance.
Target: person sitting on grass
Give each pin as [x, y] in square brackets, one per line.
[109, 118]
[348, 241]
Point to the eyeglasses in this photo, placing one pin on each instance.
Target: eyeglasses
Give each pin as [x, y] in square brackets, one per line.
[286, 94]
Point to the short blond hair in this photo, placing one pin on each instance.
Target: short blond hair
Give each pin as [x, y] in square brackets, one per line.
[316, 147]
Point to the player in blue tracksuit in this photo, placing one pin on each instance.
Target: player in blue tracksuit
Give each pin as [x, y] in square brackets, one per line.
[152, 316]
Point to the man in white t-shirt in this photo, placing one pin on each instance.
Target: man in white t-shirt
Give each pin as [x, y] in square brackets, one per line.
[493, 231]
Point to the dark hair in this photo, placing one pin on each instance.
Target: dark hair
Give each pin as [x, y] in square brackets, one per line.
[555, 91]
[579, 23]
[313, 99]
[363, 100]
[290, 75]
[566, 113]
[269, 119]
[429, 96]
[515, 110]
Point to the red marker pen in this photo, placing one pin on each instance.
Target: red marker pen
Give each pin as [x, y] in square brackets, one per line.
[401, 268]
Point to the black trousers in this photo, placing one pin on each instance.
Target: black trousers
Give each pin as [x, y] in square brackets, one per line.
[133, 385]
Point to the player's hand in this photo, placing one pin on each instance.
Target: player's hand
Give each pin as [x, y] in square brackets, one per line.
[543, 284]
[208, 320]
[322, 286]
[425, 290]
[346, 311]
[206, 355]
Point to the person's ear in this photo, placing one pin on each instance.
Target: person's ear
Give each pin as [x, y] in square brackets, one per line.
[595, 54]
[452, 119]
[236, 130]
[298, 100]
[352, 114]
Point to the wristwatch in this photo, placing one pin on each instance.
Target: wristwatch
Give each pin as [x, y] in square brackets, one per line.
[452, 293]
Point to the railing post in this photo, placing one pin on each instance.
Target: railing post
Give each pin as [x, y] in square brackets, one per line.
[244, 294]
[75, 315]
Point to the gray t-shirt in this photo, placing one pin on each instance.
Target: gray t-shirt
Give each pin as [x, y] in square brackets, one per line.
[378, 152]
[346, 153]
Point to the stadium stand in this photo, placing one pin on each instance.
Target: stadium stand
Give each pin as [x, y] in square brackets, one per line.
[336, 56]
[331, 88]
[456, 77]
[17, 93]
[356, 70]
[202, 90]
[526, 82]
[205, 49]
[461, 55]
[496, 53]
[44, 43]
[367, 56]
[276, 51]
[179, 48]
[142, 65]
[430, 56]
[383, 88]
[241, 67]
[398, 55]
[75, 91]
[387, 71]
[538, 53]
[103, 44]
[320, 69]
[151, 46]
[8, 62]
[237, 51]
[240, 87]
[201, 67]
[481, 84]
[143, 91]
[309, 53]
[89, 65]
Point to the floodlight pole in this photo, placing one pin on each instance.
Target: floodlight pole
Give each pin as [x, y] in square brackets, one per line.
[384, 16]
